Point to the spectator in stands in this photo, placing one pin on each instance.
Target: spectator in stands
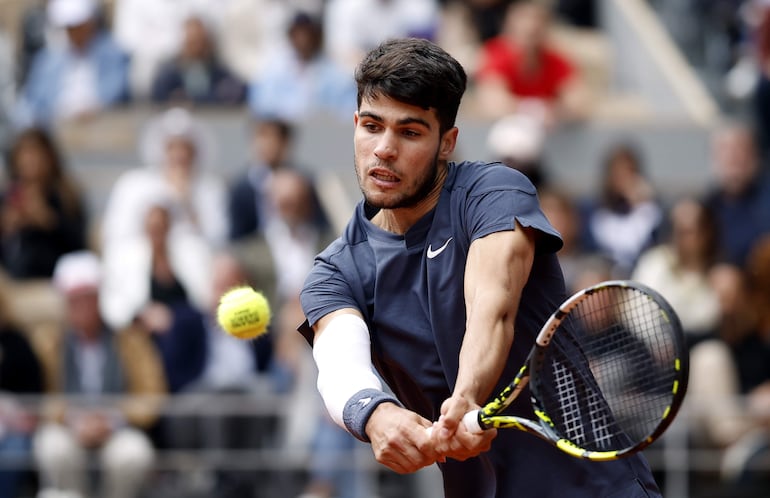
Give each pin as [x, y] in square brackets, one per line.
[520, 72]
[487, 17]
[580, 13]
[20, 374]
[288, 231]
[718, 417]
[248, 31]
[252, 31]
[758, 380]
[249, 203]
[32, 36]
[160, 281]
[563, 213]
[758, 271]
[271, 141]
[231, 367]
[177, 149]
[332, 451]
[353, 27]
[195, 74]
[293, 234]
[294, 237]
[517, 140]
[736, 364]
[761, 104]
[595, 269]
[76, 79]
[628, 215]
[150, 32]
[726, 34]
[42, 213]
[740, 322]
[301, 81]
[753, 361]
[283, 246]
[679, 268]
[90, 360]
[740, 196]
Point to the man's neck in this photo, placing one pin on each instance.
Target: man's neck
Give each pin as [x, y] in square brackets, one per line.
[400, 220]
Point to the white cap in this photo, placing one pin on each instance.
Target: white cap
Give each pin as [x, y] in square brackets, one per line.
[77, 271]
[175, 123]
[65, 13]
[518, 137]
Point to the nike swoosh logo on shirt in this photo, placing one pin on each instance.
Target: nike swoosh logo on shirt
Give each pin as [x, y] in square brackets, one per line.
[432, 254]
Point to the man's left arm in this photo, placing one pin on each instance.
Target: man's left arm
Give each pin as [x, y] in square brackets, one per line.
[496, 271]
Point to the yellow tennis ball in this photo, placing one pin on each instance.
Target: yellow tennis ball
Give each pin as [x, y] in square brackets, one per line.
[243, 313]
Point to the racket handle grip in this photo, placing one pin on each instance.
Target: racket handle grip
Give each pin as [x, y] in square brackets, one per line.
[470, 421]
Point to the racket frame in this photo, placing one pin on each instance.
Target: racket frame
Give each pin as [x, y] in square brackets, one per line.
[489, 415]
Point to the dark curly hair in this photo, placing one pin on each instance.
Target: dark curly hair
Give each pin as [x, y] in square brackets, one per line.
[416, 72]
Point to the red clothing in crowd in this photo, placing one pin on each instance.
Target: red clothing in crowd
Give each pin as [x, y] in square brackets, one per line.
[499, 57]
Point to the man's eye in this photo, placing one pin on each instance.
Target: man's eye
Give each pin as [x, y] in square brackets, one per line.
[411, 133]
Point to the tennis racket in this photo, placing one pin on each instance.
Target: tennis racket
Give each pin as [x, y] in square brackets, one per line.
[607, 374]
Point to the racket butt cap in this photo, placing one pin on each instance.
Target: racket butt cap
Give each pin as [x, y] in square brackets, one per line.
[471, 422]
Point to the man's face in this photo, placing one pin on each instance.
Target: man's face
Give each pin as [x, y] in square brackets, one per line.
[80, 35]
[83, 312]
[527, 25]
[269, 145]
[398, 152]
[735, 159]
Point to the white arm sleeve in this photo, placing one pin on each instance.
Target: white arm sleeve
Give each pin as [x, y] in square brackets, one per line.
[343, 356]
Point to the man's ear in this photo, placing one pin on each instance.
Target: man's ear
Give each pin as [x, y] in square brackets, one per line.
[448, 144]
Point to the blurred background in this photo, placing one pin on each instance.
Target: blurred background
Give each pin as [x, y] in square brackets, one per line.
[158, 152]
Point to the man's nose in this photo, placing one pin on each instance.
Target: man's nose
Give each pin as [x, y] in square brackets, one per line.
[386, 148]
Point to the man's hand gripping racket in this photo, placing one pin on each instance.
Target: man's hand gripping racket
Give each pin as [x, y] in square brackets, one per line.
[607, 374]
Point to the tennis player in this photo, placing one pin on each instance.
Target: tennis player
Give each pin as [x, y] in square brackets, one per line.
[439, 283]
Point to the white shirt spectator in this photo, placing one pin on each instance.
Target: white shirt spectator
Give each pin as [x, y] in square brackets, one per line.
[353, 27]
[151, 31]
[136, 189]
[624, 235]
[201, 203]
[78, 90]
[252, 30]
[293, 254]
[230, 363]
[688, 291]
[128, 266]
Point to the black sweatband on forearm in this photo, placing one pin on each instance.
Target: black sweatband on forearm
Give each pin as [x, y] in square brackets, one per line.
[360, 407]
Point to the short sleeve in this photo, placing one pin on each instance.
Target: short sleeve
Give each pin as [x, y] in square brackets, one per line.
[503, 196]
[325, 290]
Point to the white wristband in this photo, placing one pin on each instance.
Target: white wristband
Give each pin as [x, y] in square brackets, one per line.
[342, 353]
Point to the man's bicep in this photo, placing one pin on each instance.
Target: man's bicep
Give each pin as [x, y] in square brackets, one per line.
[498, 264]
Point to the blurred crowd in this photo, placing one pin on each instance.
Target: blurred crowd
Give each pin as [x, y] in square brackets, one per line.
[116, 309]
[728, 42]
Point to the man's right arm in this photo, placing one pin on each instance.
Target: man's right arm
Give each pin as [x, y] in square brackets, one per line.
[353, 394]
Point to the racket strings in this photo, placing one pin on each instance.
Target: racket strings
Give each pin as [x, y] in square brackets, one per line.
[575, 404]
[605, 382]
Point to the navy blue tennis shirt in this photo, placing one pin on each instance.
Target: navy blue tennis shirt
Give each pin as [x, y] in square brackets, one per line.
[409, 289]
